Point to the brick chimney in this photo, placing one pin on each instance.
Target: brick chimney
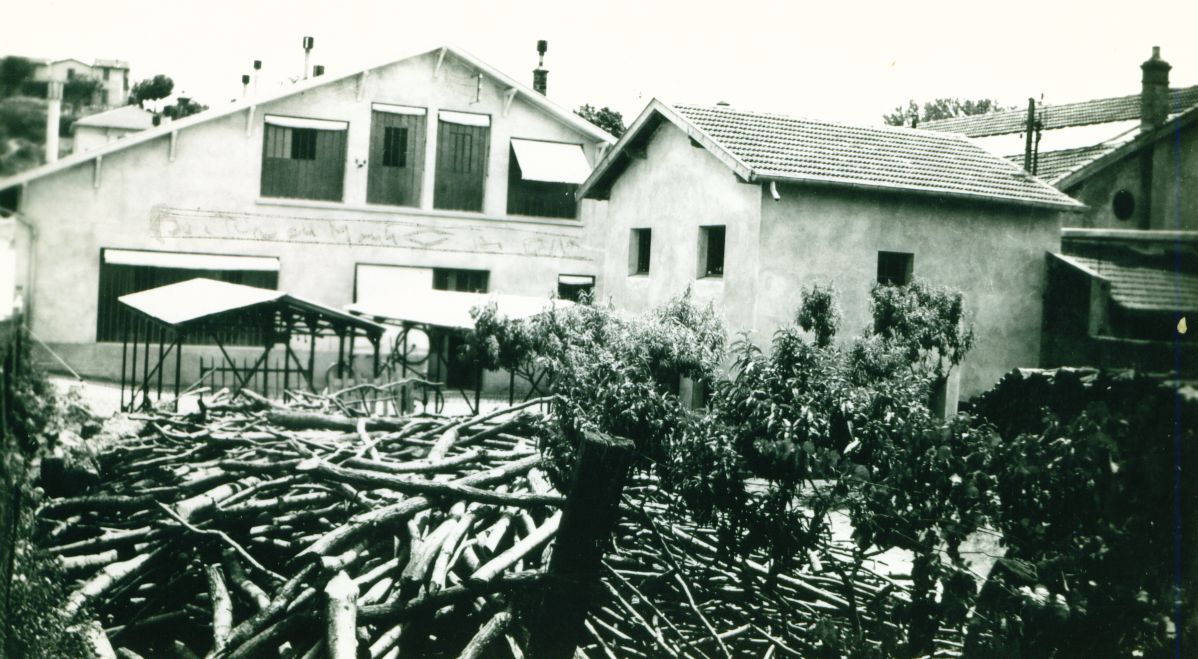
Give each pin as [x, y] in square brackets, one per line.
[1154, 93]
[540, 75]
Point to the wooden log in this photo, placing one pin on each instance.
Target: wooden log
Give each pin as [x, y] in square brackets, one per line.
[278, 604]
[297, 420]
[588, 518]
[491, 630]
[370, 479]
[109, 577]
[240, 579]
[518, 550]
[96, 503]
[222, 607]
[76, 564]
[400, 610]
[341, 615]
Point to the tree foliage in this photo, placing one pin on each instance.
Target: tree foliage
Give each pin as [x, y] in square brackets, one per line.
[927, 323]
[14, 72]
[911, 114]
[151, 89]
[80, 91]
[605, 118]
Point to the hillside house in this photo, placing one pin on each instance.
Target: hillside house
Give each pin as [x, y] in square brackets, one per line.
[103, 127]
[749, 208]
[435, 171]
[113, 76]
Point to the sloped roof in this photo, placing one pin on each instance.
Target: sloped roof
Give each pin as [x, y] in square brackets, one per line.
[197, 300]
[763, 146]
[1062, 115]
[523, 91]
[1052, 166]
[129, 117]
[1139, 288]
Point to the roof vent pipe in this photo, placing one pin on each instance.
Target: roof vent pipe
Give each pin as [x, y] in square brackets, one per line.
[257, 68]
[318, 70]
[540, 76]
[309, 42]
[245, 86]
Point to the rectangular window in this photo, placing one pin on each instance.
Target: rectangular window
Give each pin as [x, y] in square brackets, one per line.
[395, 146]
[543, 177]
[462, 148]
[575, 287]
[895, 267]
[303, 158]
[303, 144]
[639, 250]
[711, 251]
[467, 281]
[131, 271]
[396, 155]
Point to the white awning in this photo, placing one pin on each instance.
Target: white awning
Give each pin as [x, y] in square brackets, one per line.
[186, 261]
[576, 280]
[464, 118]
[451, 309]
[398, 109]
[300, 122]
[551, 162]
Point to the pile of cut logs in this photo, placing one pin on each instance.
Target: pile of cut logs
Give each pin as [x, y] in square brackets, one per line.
[253, 529]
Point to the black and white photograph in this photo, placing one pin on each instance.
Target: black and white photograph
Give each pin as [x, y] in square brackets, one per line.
[381, 329]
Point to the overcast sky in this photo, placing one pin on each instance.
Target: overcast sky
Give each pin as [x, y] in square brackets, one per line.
[840, 60]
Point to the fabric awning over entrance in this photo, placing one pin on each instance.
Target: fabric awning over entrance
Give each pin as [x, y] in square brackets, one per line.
[451, 309]
[189, 261]
[551, 162]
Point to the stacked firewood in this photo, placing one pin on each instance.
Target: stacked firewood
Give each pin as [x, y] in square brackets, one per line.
[243, 531]
[256, 529]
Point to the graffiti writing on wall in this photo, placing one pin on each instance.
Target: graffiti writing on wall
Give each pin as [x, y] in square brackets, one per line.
[487, 237]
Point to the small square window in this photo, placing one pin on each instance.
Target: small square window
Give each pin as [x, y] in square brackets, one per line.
[466, 281]
[303, 144]
[395, 146]
[711, 251]
[639, 251]
[895, 267]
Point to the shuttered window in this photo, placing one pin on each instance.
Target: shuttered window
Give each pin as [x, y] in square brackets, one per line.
[462, 148]
[303, 158]
[396, 155]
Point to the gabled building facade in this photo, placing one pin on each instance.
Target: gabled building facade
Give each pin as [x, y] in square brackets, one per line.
[748, 209]
[434, 171]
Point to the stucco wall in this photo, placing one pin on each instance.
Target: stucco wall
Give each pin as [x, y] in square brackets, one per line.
[1174, 203]
[207, 200]
[994, 254]
[674, 191]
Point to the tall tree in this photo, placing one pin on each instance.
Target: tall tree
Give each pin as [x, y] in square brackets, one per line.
[153, 89]
[605, 118]
[14, 71]
[939, 108]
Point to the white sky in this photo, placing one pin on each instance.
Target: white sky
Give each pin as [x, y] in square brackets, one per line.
[848, 60]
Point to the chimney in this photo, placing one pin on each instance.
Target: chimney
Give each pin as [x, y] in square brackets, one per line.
[540, 76]
[257, 68]
[1154, 92]
[53, 111]
[245, 86]
[309, 42]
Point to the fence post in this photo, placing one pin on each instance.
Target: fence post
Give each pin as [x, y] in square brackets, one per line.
[588, 519]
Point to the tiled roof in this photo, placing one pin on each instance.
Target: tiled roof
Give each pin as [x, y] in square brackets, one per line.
[780, 147]
[1142, 288]
[1055, 165]
[1096, 111]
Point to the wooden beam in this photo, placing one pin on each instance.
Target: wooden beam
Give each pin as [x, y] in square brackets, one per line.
[174, 145]
[96, 171]
[440, 61]
[508, 97]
